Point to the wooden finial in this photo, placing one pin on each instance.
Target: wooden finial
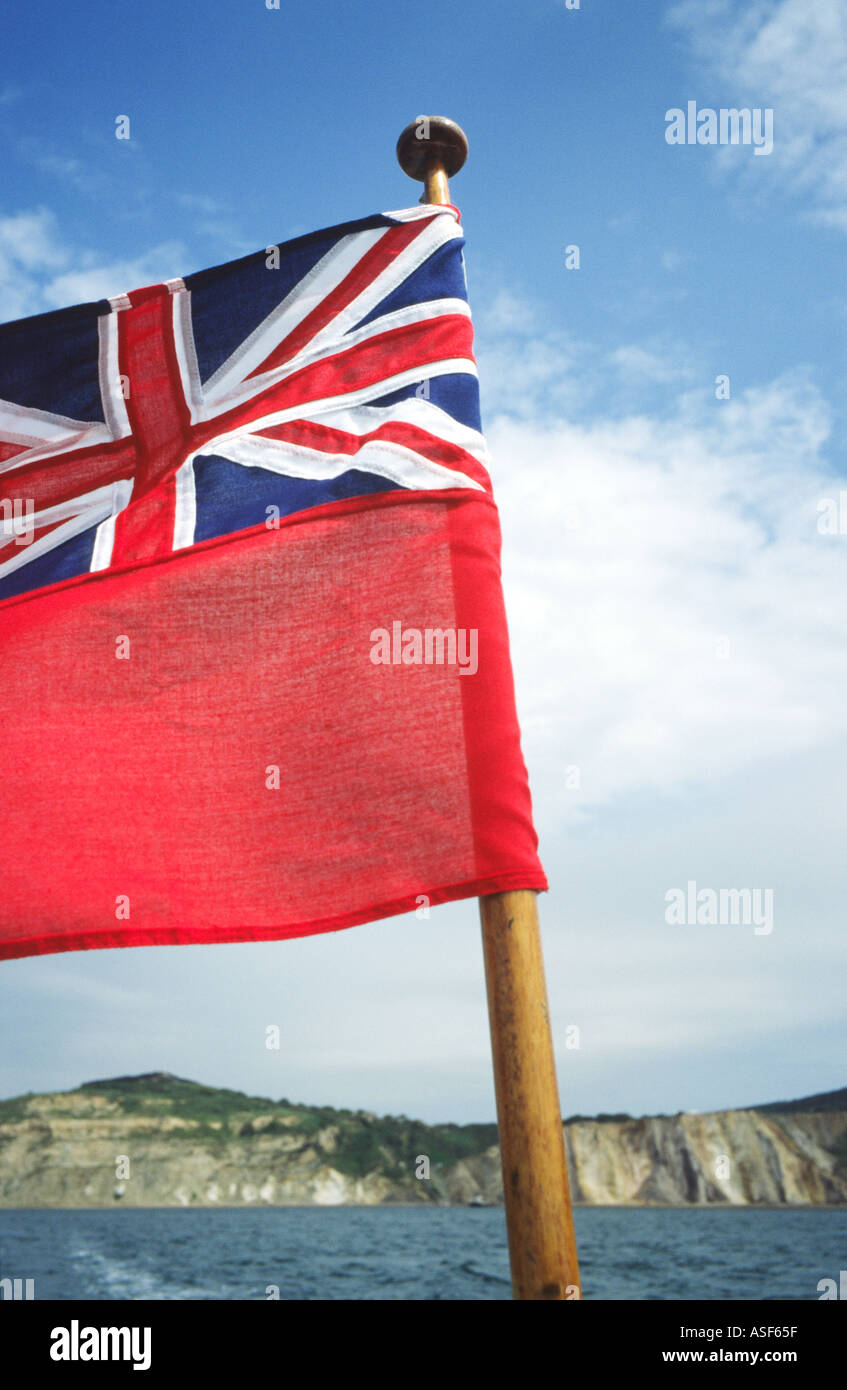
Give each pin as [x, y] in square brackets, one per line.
[432, 149]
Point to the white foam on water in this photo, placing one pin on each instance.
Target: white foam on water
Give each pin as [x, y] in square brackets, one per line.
[121, 1279]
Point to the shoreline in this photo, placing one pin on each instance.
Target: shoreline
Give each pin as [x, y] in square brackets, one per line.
[444, 1206]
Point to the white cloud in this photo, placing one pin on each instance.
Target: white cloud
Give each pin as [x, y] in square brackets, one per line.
[676, 639]
[791, 56]
[639, 363]
[38, 271]
[27, 246]
[525, 367]
[28, 240]
[667, 590]
[530, 370]
[97, 281]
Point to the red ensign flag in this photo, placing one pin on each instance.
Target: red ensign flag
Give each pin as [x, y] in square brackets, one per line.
[255, 678]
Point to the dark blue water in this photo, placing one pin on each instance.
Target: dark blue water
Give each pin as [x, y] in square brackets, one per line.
[412, 1253]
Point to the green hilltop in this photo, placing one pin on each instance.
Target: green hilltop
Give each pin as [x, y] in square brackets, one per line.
[364, 1141]
[193, 1144]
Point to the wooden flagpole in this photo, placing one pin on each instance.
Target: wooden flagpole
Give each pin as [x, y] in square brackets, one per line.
[539, 1220]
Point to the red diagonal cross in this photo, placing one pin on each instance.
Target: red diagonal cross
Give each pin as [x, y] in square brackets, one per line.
[163, 434]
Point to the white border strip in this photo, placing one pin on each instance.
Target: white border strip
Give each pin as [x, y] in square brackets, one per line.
[185, 518]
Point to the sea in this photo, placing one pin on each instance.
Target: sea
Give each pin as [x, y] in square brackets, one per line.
[414, 1253]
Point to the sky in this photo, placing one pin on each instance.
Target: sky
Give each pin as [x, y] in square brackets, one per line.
[666, 420]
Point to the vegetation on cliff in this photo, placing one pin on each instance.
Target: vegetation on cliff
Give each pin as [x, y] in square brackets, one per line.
[186, 1143]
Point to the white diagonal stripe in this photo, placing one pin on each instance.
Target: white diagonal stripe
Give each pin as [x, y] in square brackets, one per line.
[416, 411]
[399, 318]
[319, 407]
[228, 383]
[393, 461]
[430, 240]
[44, 432]
[79, 514]
[314, 287]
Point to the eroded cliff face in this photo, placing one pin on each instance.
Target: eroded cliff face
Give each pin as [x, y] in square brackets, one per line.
[739, 1156]
[107, 1158]
[80, 1150]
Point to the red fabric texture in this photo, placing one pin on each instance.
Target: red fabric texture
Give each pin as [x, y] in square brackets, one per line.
[139, 784]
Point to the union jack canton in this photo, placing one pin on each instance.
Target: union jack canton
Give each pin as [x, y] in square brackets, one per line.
[334, 366]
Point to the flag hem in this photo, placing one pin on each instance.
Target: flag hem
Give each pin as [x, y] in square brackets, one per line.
[339, 507]
[119, 937]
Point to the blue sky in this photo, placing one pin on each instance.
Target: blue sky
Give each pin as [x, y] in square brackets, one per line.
[678, 631]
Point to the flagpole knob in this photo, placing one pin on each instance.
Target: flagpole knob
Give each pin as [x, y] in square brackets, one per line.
[432, 149]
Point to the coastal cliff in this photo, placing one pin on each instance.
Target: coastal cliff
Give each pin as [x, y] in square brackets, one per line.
[157, 1140]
